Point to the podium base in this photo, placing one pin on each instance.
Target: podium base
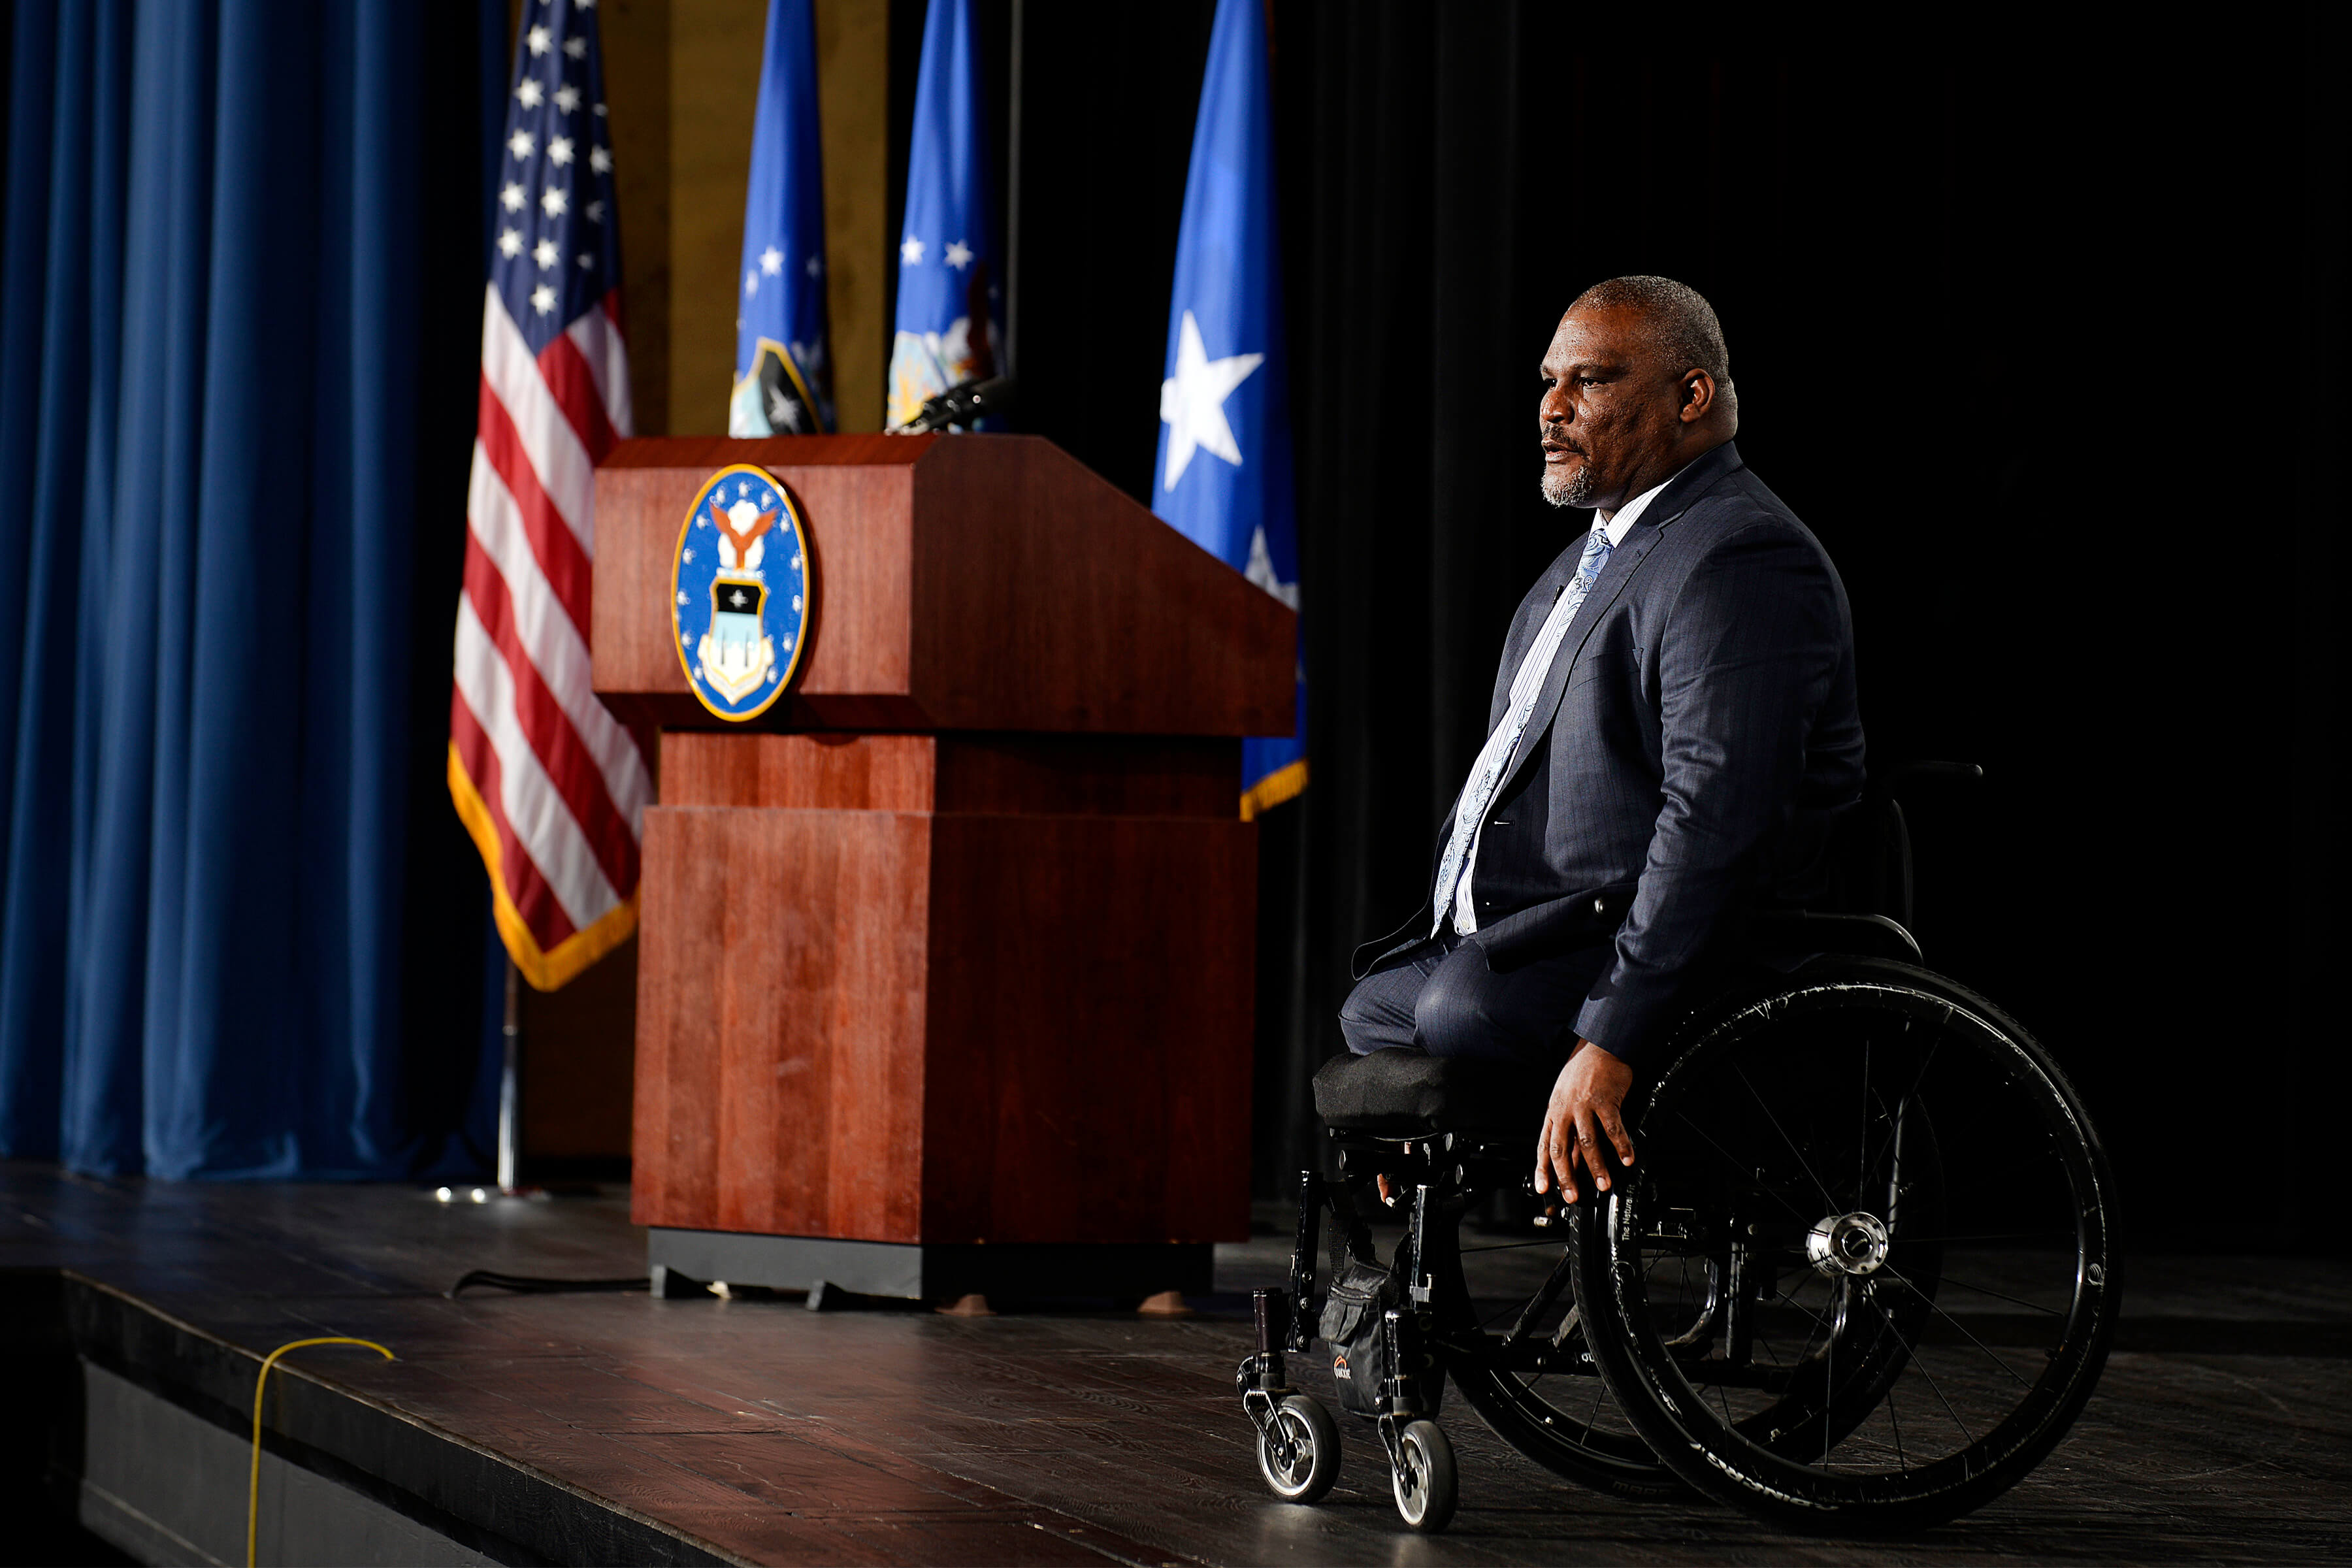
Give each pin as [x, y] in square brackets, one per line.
[932, 1270]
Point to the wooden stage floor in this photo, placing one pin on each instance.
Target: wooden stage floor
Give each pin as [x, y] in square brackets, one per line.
[753, 1430]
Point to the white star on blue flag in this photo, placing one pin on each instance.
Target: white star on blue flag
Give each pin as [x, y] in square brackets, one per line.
[1223, 478]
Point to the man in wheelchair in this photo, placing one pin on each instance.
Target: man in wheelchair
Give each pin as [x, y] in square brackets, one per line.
[1674, 731]
[1774, 1307]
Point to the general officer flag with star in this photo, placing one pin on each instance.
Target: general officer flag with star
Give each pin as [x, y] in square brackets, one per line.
[947, 328]
[783, 371]
[1223, 477]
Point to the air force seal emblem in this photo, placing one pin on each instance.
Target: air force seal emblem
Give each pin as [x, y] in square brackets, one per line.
[741, 596]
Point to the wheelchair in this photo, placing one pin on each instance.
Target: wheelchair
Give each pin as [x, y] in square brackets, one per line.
[1860, 1279]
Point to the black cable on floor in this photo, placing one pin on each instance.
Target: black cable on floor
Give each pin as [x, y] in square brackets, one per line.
[527, 1285]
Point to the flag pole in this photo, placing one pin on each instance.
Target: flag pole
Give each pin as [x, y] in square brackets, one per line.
[1012, 196]
[509, 1086]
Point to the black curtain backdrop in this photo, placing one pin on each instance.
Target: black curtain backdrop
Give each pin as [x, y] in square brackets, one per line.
[2045, 347]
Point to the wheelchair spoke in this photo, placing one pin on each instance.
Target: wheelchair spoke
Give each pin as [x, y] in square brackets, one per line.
[1912, 1353]
[1907, 1241]
[1983, 1291]
[1862, 1143]
[1725, 1153]
[1778, 1363]
[1829, 1381]
[1948, 1317]
[1974, 1340]
[1541, 1302]
[1916, 1079]
[1802, 1163]
[1512, 1245]
[1820, 1326]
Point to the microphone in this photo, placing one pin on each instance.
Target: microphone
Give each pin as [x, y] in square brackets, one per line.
[962, 405]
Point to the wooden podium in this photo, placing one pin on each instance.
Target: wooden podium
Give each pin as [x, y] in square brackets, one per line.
[946, 974]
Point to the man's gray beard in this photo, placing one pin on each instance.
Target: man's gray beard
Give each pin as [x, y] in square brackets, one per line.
[1574, 491]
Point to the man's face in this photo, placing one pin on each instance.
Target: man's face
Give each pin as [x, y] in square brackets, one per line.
[1607, 409]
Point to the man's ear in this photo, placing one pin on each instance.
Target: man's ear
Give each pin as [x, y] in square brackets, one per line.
[1699, 396]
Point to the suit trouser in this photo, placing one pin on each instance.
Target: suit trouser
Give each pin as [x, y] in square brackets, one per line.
[1441, 998]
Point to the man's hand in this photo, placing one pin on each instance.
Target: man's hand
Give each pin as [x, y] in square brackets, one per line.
[1585, 1105]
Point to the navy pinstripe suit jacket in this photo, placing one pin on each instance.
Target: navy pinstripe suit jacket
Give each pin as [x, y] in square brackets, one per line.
[1695, 742]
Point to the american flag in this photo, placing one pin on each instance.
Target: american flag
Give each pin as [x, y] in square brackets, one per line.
[551, 788]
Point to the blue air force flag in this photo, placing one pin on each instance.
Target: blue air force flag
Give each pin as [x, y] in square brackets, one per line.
[783, 376]
[1224, 475]
[948, 290]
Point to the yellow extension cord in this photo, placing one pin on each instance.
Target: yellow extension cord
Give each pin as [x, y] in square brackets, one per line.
[253, 1497]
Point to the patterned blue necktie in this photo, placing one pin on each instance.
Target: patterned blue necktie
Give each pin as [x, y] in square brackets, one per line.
[1494, 762]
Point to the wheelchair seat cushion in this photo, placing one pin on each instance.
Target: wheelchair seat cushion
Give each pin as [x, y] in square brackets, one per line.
[1405, 1091]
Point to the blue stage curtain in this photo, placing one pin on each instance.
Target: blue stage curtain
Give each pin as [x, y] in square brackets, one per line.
[209, 283]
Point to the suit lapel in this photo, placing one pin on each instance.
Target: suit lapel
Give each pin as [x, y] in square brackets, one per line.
[1624, 560]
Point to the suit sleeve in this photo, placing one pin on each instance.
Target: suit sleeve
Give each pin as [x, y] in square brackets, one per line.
[1746, 659]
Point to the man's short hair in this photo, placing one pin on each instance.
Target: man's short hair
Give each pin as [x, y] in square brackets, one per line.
[1677, 322]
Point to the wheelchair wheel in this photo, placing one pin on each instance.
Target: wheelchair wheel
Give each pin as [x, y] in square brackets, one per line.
[1424, 1481]
[1816, 1300]
[1298, 1449]
[1516, 1350]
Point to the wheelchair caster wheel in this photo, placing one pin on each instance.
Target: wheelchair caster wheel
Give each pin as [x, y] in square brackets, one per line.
[1298, 1449]
[1424, 1479]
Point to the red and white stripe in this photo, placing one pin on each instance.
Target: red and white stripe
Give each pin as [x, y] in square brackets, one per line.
[564, 784]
